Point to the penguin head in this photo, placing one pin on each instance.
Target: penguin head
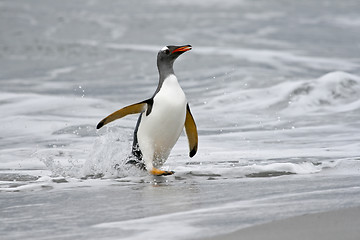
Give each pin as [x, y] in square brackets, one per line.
[168, 54]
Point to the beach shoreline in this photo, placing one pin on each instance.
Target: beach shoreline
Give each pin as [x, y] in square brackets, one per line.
[332, 225]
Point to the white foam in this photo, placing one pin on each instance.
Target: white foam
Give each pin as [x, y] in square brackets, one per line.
[335, 91]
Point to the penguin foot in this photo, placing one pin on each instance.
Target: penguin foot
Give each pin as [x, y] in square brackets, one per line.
[158, 172]
[136, 163]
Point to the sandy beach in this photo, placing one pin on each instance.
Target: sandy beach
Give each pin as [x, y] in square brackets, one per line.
[340, 224]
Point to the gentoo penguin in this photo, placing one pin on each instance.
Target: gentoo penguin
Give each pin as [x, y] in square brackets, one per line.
[162, 117]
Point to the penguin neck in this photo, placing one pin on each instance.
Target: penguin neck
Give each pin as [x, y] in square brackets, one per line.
[165, 71]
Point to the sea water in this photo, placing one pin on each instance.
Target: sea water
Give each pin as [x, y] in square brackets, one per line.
[273, 86]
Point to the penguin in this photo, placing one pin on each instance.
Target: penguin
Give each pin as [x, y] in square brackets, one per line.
[162, 117]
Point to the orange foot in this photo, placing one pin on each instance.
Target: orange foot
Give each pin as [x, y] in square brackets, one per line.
[158, 172]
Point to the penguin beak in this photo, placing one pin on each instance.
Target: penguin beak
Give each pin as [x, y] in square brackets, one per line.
[182, 49]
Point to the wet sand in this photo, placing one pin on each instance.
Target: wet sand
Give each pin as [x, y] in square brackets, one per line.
[334, 225]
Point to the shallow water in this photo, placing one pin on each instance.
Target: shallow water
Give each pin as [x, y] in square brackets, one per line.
[274, 89]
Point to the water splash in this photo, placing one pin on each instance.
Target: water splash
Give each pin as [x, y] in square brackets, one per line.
[109, 156]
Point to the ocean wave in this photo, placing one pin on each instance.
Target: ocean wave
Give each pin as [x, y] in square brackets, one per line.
[334, 92]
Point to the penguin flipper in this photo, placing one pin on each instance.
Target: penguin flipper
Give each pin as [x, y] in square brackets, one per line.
[191, 132]
[131, 109]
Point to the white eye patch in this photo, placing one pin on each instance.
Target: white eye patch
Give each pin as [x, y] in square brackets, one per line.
[164, 48]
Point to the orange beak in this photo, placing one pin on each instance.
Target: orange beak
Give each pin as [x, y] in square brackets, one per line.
[182, 49]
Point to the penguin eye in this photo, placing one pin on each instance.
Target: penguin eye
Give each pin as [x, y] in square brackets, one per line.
[167, 51]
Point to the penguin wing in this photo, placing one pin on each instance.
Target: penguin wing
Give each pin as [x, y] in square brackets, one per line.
[191, 132]
[131, 109]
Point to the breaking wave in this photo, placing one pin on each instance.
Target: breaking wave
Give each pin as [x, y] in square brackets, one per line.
[333, 92]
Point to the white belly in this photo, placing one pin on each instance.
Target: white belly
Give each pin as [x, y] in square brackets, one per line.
[159, 131]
